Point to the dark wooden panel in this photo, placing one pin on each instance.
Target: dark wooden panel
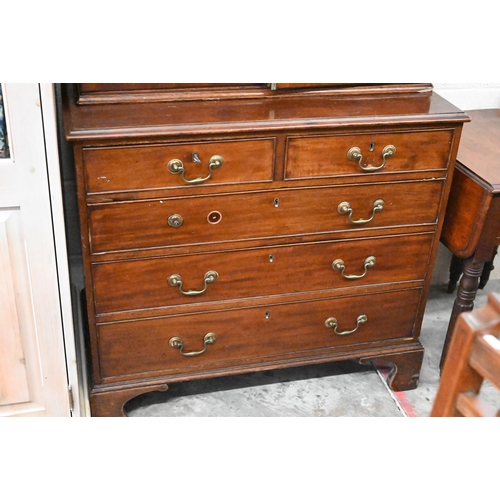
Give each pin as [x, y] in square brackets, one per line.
[144, 224]
[247, 335]
[143, 284]
[115, 93]
[358, 87]
[327, 155]
[127, 87]
[485, 250]
[145, 167]
[318, 85]
[466, 210]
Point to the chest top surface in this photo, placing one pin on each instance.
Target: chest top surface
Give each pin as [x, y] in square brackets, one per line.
[284, 111]
[479, 149]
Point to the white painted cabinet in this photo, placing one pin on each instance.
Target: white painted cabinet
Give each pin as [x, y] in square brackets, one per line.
[37, 347]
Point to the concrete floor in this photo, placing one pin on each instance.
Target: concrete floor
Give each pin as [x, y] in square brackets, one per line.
[342, 389]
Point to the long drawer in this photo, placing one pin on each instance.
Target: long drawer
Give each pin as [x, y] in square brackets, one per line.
[255, 335]
[245, 216]
[164, 282]
[132, 168]
[324, 156]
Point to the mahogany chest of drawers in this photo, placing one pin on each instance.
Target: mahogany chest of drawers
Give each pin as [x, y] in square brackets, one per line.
[234, 228]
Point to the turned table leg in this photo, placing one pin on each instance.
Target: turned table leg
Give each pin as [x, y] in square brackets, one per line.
[466, 294]
[488, 267]
[455, 272]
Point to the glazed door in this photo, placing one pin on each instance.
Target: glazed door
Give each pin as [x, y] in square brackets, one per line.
[33, 375]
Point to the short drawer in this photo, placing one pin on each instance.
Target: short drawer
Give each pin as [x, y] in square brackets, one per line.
[256, 335]
[164, 282]
[324, 156]
[132, 168]
[220, 218]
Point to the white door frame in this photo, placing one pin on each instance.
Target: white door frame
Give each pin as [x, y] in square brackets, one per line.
[72, 340]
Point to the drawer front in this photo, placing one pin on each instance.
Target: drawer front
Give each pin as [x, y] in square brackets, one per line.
[131, 168]
[260, 334]
[328, 155]
[220, 218]
[144, 284]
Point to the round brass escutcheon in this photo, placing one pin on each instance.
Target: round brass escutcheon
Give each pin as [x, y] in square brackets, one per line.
[216, 161]
[175, 342]
[175, 166]
[354, 154]
[175, 220]
[389, 151]
[214, 217]
[210, 338]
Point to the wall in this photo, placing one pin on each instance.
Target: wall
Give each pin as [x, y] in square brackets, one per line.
[470, 95]
[465, 96]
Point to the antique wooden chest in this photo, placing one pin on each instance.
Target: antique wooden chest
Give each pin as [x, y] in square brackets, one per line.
[242, 227]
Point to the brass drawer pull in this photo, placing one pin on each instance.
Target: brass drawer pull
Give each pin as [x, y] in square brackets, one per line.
[176, 343]
[333, 323]
[345, 208]
[175, 220]
[354, 154]
[338, 265]
[177, 167]
[176, 280]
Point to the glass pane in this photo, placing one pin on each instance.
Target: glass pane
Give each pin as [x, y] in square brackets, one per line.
[4, 140]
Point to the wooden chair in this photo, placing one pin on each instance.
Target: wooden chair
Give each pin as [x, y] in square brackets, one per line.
[473, 356]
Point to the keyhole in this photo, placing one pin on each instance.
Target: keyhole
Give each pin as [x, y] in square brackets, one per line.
[372, 146]
[276, 202]
[214, 217]
[271, 257]
[267, 315]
